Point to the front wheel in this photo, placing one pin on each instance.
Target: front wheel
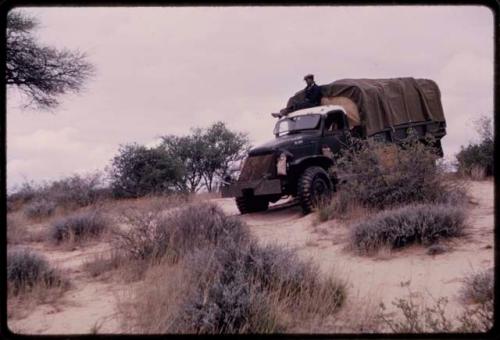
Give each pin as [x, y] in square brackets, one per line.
[314, 186]
[251, 204]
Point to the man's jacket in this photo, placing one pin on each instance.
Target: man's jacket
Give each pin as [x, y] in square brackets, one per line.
[313, 95]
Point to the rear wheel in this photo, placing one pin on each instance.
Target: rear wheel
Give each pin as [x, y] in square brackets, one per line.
[314, 186]
[249, 204]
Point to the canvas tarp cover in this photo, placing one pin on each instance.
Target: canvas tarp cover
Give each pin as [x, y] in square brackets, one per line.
[383, 103]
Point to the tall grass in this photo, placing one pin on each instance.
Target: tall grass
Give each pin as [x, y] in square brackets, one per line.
[154, 234]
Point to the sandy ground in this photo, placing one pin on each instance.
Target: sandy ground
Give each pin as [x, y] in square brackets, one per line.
[388, 275]
[91, 303]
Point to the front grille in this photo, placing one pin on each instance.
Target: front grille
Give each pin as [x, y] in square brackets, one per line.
[256, 167]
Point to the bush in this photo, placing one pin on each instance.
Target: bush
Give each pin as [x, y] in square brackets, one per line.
[77, 191]
[79, 226]
[27, 268]
[39, 209]
[418, 318]
[423, 223]
[22, 195]
[479, 287]
[230, 284]
[222, 299]
[70, 192]
[476, 159]
[138, 171]
[16, 231]
[243, 288]
[153, 235]
[379, 175]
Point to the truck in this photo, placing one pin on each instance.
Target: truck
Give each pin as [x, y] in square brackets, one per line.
[297, 161]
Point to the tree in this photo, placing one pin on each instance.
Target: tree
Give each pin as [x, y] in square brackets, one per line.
[137, 171]
[222, 147]
[190, 151]
[206, 153]
[41, 73]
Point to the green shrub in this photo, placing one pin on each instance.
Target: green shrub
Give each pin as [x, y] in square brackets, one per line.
[39, 209]
[476, 159]
[79, 226]
[422, 223]
[27, 268]
[379, 175]
[138, 171]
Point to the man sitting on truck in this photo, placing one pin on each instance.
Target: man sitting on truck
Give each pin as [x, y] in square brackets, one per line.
[312, 98]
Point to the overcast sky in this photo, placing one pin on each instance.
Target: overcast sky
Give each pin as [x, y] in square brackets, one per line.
[164, 70]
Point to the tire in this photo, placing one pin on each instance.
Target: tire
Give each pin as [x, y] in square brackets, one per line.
[313, 185]
[252, 204]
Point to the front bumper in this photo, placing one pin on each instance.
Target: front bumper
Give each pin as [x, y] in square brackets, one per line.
[258, 187]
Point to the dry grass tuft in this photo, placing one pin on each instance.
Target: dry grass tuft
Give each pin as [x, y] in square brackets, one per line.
[416, 317]
[479, 287]
[78, 227]
[31, 281]
[341, 206]
[27, 268]
[103, 264]
[422, 223]
[156, 234]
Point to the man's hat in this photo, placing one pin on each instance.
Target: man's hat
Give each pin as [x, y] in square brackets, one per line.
[309, 76]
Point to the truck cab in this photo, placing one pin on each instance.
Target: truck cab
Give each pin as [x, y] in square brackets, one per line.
[295, 163]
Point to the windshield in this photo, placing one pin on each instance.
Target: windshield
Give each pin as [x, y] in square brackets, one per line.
[292, 124]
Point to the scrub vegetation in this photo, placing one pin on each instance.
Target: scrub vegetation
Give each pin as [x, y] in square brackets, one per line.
[395, 196]
[230, 284]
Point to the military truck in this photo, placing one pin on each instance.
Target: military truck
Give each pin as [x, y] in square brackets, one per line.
[296, 162]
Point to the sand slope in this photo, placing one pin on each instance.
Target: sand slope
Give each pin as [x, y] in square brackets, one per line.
[92, 303]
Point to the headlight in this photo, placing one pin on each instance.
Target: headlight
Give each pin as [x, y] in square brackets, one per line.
[281, 165]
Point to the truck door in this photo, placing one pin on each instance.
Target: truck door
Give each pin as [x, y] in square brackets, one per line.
[335, 132]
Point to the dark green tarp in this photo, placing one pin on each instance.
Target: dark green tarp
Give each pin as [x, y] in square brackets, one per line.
[383, 103]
